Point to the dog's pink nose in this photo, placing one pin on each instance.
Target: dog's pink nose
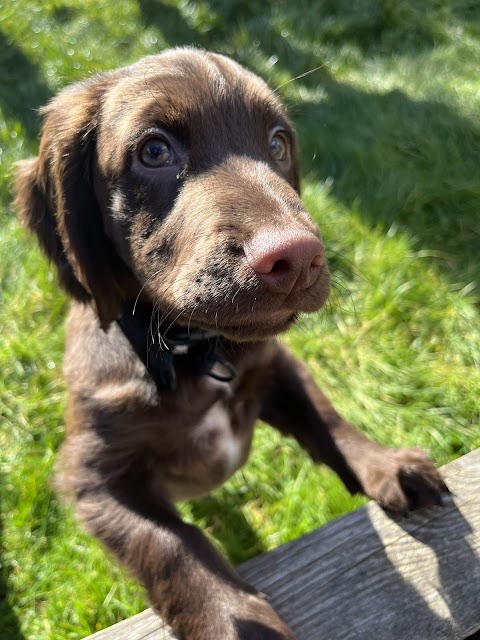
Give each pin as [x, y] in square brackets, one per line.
[285, 261]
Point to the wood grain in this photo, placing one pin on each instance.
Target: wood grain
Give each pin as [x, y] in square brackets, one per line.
[368, 575]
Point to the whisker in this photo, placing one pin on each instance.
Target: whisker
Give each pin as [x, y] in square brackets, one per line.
[143, 287]
[190, 318]
[173, 321]
[235, 294]
[352, 264]
[339, 297]
[302, 75]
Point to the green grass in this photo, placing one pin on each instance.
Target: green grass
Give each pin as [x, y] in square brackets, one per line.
[390, 134]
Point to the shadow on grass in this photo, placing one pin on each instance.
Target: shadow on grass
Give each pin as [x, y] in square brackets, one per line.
[366, 26]
[399, 163]
[168, 20]
[23, 87]
[224, 518]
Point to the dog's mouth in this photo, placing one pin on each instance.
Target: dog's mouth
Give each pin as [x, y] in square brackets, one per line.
[256, 314]
[257, 326]
[261, 325]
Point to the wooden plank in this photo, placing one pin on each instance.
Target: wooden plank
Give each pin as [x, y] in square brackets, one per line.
[368, 575]
[144, 626]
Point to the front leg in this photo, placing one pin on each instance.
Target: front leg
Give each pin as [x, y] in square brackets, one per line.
[192, 587]
[398, 479]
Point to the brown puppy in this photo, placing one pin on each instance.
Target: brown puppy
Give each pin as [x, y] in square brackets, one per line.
[167, 194]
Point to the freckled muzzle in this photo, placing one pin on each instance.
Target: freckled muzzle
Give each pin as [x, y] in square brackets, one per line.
[248, 256]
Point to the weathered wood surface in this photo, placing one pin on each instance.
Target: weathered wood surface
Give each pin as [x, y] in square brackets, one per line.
[368, 575]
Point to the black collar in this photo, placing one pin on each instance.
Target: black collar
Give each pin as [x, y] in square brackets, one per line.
[164, 348]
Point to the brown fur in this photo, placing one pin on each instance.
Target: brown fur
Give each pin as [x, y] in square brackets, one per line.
[192, 238]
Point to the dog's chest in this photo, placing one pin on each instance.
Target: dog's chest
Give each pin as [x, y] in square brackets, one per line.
[210, 450]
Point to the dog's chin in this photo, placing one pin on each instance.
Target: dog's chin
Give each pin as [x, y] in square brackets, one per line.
[260, 326]
[255, 330]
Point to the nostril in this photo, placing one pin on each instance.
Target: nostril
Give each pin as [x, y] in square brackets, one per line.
[285, 260]
[318, 261]
[280, 267]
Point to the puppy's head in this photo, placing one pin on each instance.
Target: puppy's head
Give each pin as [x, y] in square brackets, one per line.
[176, 179]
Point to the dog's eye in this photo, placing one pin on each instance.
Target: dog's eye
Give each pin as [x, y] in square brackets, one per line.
[279, 147]
[156, 153]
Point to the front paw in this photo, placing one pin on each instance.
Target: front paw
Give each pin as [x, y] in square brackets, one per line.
[256, 620]
[401, 480]
[233, 615]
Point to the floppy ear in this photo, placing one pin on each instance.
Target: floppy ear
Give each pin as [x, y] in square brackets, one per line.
[56, 199]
